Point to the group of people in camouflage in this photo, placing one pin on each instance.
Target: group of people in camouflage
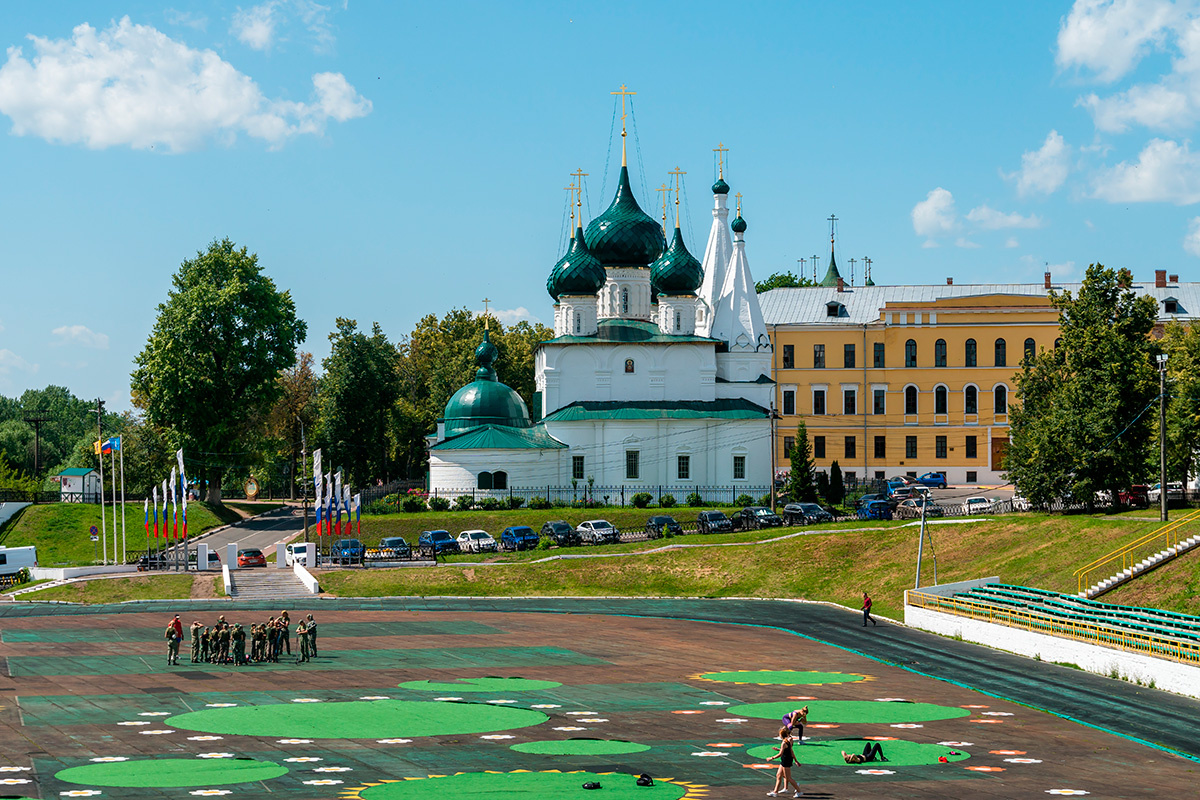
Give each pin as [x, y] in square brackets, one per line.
[223, 643]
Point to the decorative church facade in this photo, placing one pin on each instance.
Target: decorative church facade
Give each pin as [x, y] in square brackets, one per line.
[658, 375]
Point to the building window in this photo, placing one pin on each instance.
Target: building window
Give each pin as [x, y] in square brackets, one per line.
[819, 402]
[910, 353]
[631, 465]
[972, 447]
[1171, 306]
[629, 366]
[1030, 349]
[739, 468]
[577, 467]
[1001, 353]
[940, 401]
[678, 320]
[939, 353]
[910, 447]
[939, 447]
[880, 401]
[788, 443]
[848, 356]
[789, 356]
[849, 402]
[578, 322]
[1057, 343]
[683, 468]
[910, 400]
[880, 447]
[818, 356]
[972, 477]
[971, 400]
[879, 362]
[789, 401]
[484, 480]
[1001, 393]
[818, 447]
[624, 301]
[500, 480]
[970, 354]
[851, 447]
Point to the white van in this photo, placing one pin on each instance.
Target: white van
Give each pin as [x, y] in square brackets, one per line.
[296, 553]
[15, 559]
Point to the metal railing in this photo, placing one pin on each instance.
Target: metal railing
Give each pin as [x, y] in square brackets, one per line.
[1088, 632]
[1129, 555]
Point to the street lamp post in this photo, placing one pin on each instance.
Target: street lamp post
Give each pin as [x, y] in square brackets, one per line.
[303, 475]
[1162, 436]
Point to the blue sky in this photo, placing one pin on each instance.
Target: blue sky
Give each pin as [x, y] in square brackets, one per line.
[391, 160]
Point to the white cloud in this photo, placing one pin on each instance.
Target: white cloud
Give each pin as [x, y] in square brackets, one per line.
[261, 26]
[1045, 169]
[1011, 242]
[1110, 37]
[1191, 242]
[1064, 272]
[11, 362]
[133, 85]
[966, 243]
[186, 19]
[1157, 106]
[1164, 172]
[255, 27]
[510, 316]
[80, 335]
[935, 215]
[990, 219]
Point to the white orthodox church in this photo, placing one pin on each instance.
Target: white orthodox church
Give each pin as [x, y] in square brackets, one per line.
[658, 374]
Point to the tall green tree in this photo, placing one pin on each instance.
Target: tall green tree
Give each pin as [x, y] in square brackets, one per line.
[1182, 346]
[837, 487]
[800, 486]
[358, 397]
[294, 413]
[1082, 422]
[209, 372]
[781, 280]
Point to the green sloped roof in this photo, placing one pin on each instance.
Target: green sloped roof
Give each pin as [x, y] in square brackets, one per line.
[627, 331]
[832, 274]
[74, 471]
[734, 408]
[501, 437]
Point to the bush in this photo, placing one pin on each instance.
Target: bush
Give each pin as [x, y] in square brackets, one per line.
[378, 507]
[695, 500]
[539, 503]
[744, 500]
[765, 500]
[439, 504]
[543, 544]
[515, 502]
[413, 504]
[492, 504]
[464, 502]
[667, 501]
[641, 499]
[392, 500]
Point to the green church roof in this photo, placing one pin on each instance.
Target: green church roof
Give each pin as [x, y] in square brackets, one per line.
[731, 408]
[578, 272]
[676, 271]
[832, 274]
[485, 401]
[628, 331]
[501, 437]
[76, 471]
[624, 236]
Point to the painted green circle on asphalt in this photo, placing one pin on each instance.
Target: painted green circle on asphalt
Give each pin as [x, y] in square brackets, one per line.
[828, 752]
[166, 773]
[529, 785]
[375, 719]
[580, 747]
[848, 711]
[482, 685]
[784, 677]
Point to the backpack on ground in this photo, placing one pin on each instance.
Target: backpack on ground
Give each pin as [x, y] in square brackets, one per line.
[645, 780]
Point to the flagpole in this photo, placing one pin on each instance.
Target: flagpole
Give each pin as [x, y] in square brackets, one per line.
[100, 458]
[124, 555]
[113, 454]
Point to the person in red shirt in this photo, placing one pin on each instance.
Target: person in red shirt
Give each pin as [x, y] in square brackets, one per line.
[866, 609]
[178, 626]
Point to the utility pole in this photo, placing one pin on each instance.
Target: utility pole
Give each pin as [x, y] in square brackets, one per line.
[304, 475]
[100, 458]
[36, 418]
[1162, 436]
[774, 416]
[921, 544]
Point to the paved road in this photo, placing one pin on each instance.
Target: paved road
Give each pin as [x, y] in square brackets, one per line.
[262, 532]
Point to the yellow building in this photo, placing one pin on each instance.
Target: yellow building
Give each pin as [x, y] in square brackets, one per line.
[895, 380]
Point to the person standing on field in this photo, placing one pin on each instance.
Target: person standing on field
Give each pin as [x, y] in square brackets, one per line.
[196, 628]
[866, 609]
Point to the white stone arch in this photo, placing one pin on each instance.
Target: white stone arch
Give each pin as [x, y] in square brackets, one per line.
[945, 390]
[1007, 396]
[966, 409]
[904, 396]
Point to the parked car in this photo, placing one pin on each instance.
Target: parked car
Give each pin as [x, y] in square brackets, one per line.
[876, 509]
[898, 481]
[933, 480]
[1137, 496]
[561, 533]
[347, 551]
[295, 553]
[713, 522]
[518, 537]
[477, 541]
[660, 525]
[755, 517]
[438, 541]
[911, 508]
[867, 498]
[598, 531]
[805, 514]
[977, 505]
[1020, 503]
[250, 557]
[164, 561]
[393, 548]
[1174, 492]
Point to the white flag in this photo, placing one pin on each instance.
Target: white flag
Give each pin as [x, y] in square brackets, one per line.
[337, 494]
[183, 484]
[317, 475]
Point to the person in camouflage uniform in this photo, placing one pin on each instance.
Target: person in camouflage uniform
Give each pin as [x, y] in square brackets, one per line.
[302, 642]
[206, 647]
[172, 637]
[311, 625]
[239, 645]
[196, 627]
[286, 630]
[225, 640]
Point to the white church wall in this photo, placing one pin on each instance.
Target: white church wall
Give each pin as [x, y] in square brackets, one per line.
[451, 471]
[596, 372]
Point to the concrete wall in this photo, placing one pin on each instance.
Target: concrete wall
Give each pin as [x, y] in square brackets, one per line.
[1170, 676]
[58, 574]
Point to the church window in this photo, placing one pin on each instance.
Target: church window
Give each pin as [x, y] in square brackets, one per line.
[940, 400]
[971, 400]
[1001, 353]
[629, 366]
[500, 480]
[819, 402]
[848, 356]
[789, 356]
[789, 401]
[910, 400]
[970, 353]
[1030, 348]
[577, 468]
[818, 447]
[683, 468]
[818, 356]
[624, 301]
[484, 480]
[910, 353]
[678, 320]
[632, 458]
[879, 358]
[739, 468]
[939, 353]
[851, 447]
[1001, 398]
[578, 322]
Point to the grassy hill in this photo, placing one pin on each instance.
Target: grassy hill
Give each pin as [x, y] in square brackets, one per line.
[1174, 587]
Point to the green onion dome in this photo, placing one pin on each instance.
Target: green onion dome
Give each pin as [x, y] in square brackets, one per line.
[676, 271]
[485, 401]
[738, 224]
[624, 236]
[720, 187]
[578, 272]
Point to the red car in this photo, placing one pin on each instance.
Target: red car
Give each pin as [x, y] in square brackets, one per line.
[1137, 496]
[251, 557]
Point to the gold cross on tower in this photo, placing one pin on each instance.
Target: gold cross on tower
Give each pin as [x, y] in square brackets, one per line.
[579, 175]
[678, 173]
[485, 313]
[739, 203]
[623, 91]
[664, 190]
[720, 150]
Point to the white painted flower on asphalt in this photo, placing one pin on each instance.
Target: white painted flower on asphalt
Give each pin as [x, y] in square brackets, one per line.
[592, 719]
[997, 714]
[217, 705]
[1023, 760]
[570, 728]
[907, 725]
[205, 738]
[496, 736]
[710, 753]
[957, 744]
[14, 781]
[447, 699]
[80, 793]
[1073, 792]
[26, 769]
[136, 722]
[107, 759]
[295, 741]
[733, 719]
[155, 733]
[546, 705]
[393, 741]
[215, 755]
[303, 759]
[890, 700]
[582, 713]
[154, 714]
[323, 782]
[375, 697]
[501, 702]
[211, 792]
[333, 769]
[875, 772]
[306, 700]
[713, 703]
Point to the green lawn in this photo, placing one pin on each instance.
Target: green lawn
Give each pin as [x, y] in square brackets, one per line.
[1031, 549]
[60, 530]
[116, 590]
[1174, 587]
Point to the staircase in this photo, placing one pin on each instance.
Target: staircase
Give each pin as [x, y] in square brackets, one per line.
[1138, 557]
[267, 584]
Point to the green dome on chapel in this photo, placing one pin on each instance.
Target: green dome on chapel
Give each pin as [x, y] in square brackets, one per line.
[720, 187]
[624, 236]
[738, 224]
[576, 273]
[677, 271]
[485, 401]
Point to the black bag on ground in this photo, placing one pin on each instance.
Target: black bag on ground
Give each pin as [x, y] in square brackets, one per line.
[645, 780]
[591, 785]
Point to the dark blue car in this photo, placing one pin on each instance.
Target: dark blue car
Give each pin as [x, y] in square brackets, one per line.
[438, 541]
[518, 537]
[347, 551]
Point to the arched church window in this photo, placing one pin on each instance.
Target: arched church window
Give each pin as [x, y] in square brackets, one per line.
[629, 366]
[678, 320]
[624, 301]
[499, 480]
[578, 322]
[484, 480]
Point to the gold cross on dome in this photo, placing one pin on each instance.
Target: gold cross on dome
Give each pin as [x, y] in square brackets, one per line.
[623, 91]
[720, 150]
[485, 313]
[664, 190]
[739, 203]
[678, 173]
